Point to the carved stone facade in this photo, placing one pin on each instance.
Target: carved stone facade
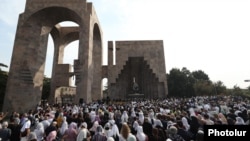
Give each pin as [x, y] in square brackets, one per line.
[139, 60]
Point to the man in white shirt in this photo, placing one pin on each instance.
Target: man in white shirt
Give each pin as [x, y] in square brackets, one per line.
[25, 130]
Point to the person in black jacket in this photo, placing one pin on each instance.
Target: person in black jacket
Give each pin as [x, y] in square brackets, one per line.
[5, 132]
[147, 128]
[186, 135]
[15, 128]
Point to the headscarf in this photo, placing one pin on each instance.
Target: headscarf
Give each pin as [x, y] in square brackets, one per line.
[151, 114]
[239, 121]
[98, 129]
[83, 132]
[222, 118]
[140, 135]
[157, 122]
[110, 139]
[135, 125]
[141, 117]
[71, 132]
[59, 119]
[107, 130]
[114, 128]
[95, 125]
[39, 131]
[92, 116]
[73, 125]
[64, 126]
[124, 116]
[185, 123]
[133, 113]
[85, 125]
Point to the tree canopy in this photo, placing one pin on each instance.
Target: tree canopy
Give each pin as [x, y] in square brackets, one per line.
[183, 83]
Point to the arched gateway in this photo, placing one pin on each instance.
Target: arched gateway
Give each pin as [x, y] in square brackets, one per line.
[136, 62]
[41, 18]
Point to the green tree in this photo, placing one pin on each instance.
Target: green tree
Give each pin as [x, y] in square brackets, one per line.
[3, 65]
[220, 88]
[3, 82]
[180, 83]
[176, 83]
[46, 88]
[248, 88]
[203, 87]
[247, 91]
[237, 90]
[200, 75]
[183, 83]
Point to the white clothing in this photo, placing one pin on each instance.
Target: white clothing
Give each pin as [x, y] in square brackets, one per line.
[45, 123]
[39, 131]
[124, 117]
[239, 121]
[114, 128]
[111, 115]
[141, 117]
[135, 125]
[108, 133]
[64, 126]
[157, 122]
[23, 139]
[140, 135]
[185, 123]
[131, 137]
[26, 125]
[82, 134]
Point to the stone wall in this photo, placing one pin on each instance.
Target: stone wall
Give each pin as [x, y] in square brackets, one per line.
[151, 76]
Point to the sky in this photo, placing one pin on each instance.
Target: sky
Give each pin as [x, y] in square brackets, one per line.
[208, 35]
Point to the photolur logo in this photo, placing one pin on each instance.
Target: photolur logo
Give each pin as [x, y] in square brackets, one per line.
[215, 132]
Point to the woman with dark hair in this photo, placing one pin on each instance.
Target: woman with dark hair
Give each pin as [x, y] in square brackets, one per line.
[156, 136]
[200, 136]
[194, 125]
[147, 128]
[51, 132]
[15, 130]
[186, 135]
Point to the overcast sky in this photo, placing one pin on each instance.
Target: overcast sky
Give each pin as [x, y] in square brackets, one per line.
[208, 35]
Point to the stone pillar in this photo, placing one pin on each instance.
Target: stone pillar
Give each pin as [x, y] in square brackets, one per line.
[97, 69]
[25, 81]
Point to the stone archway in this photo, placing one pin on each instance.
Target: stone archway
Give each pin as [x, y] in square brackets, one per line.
[40, 18]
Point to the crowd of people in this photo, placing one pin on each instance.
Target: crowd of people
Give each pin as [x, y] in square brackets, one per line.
[171, 119]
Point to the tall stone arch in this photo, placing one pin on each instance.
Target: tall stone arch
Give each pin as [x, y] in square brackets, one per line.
[41, 18]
